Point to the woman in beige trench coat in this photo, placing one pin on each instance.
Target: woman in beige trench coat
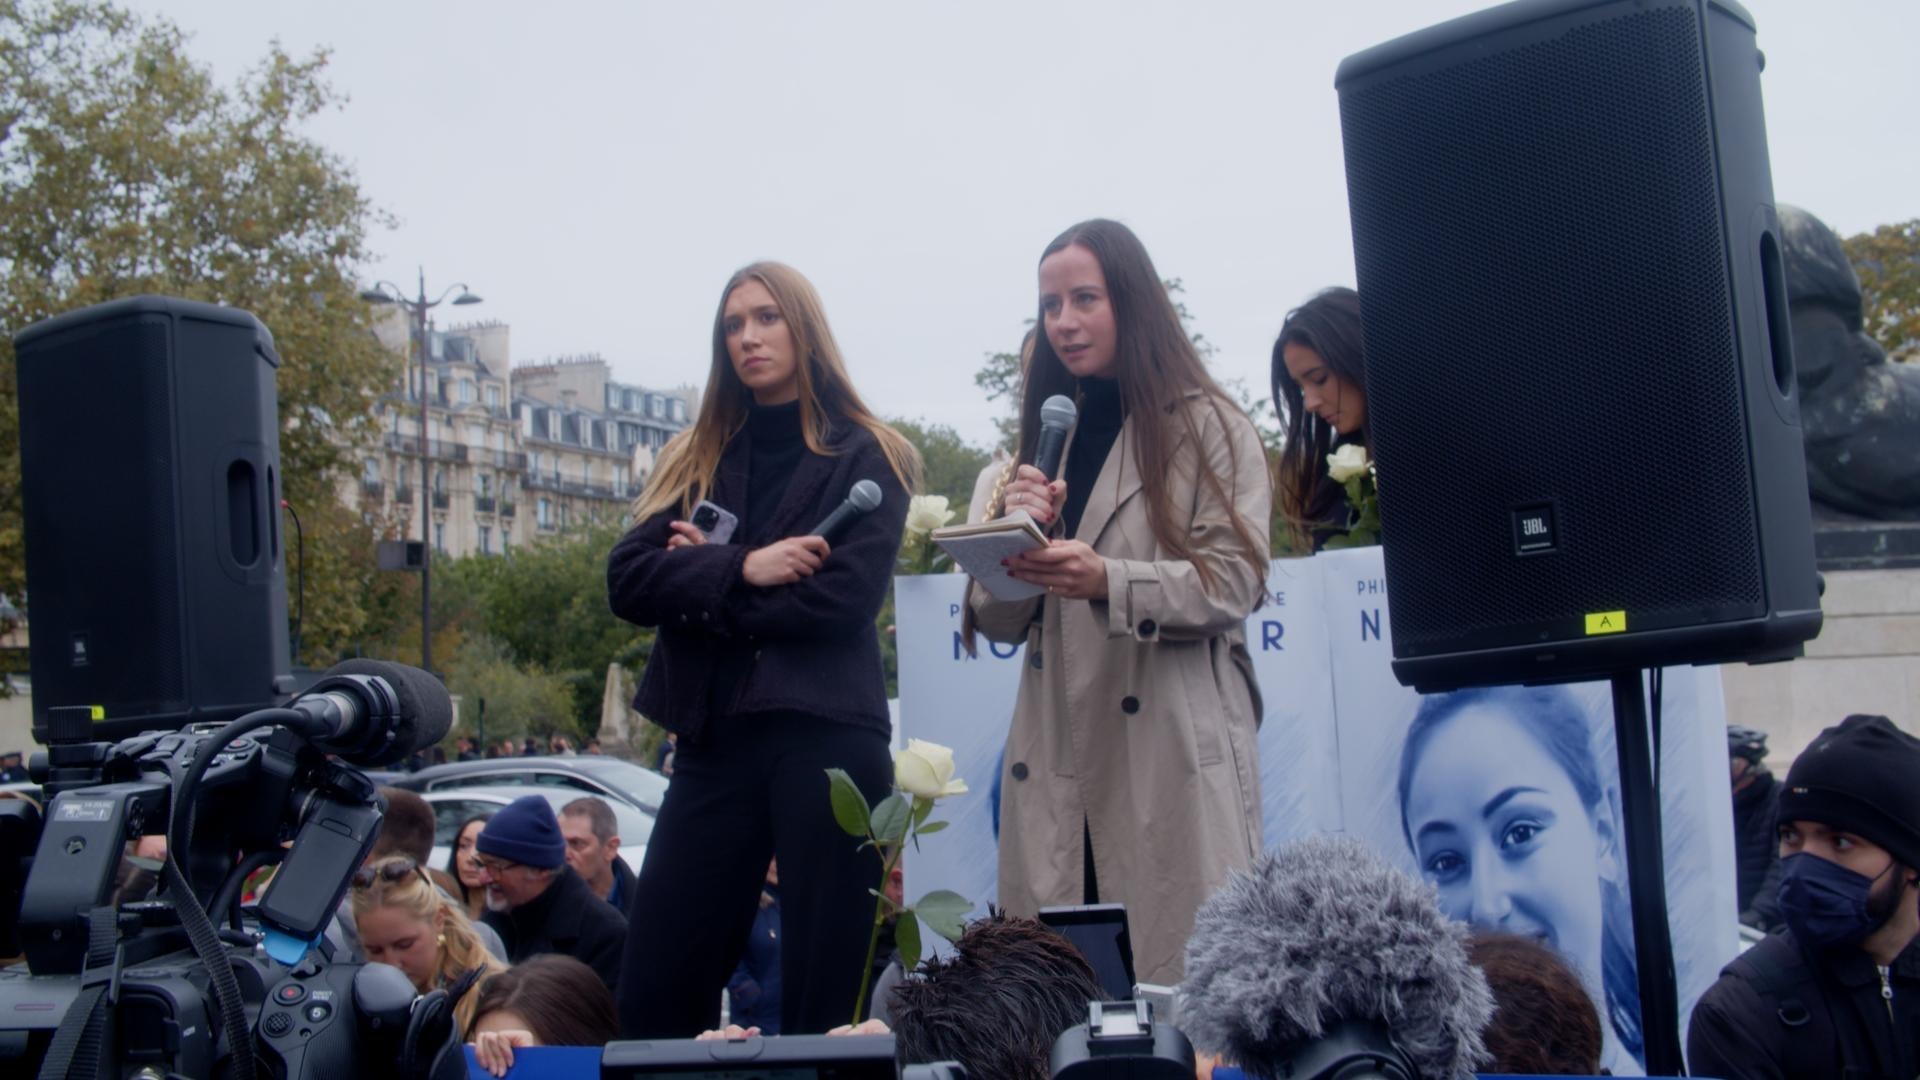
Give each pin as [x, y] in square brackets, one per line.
[1136, 716]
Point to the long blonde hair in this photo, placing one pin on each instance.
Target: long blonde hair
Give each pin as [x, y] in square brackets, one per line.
[459, 946]
[687, 464]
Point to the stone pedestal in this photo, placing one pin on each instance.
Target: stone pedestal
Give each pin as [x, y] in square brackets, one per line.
[1867, 657]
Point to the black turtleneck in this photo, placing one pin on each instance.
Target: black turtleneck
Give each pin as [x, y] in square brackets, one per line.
[775, 451]
[1099, 425]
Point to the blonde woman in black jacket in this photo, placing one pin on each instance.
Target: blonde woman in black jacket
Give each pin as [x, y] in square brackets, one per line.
[766, 664]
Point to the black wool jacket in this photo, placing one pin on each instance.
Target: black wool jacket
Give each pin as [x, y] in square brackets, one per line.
[811, 646]
[566, 919]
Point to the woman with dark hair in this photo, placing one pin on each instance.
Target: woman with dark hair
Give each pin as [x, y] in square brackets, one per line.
[1544, 1023]
[1129, 773]
[766, 666]
[463, 865]
[1504, 808]
[548, 1000]
[1319, 376]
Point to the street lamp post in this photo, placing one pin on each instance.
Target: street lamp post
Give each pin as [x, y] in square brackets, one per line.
[385, 292]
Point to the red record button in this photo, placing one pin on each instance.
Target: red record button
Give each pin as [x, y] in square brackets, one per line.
[290, 994]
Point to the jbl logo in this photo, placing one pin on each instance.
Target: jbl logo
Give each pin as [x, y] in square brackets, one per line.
[1533, 530]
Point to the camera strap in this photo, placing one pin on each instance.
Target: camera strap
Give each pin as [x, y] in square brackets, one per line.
[79, 1044]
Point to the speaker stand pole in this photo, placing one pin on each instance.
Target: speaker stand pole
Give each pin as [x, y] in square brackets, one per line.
[1647, 878]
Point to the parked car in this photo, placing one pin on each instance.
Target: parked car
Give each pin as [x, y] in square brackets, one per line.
[620, 780]
[452, 806]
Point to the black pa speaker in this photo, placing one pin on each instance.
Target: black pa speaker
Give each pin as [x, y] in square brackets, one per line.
[1580, 386]
[150, 468]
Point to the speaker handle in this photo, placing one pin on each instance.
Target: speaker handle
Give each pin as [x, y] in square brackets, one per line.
[1773, 280]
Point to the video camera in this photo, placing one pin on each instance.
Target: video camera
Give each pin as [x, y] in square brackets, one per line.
[190, 982]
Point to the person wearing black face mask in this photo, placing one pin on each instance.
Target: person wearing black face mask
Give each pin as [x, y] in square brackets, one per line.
[1837, 993]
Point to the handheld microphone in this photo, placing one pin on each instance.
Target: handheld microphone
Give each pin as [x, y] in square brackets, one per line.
[864, 497]
[1322, 960]
[1057, 415]
[374, 713]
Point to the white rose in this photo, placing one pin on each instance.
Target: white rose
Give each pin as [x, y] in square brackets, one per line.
[1347, 462]
[926, 513]
[925, 770]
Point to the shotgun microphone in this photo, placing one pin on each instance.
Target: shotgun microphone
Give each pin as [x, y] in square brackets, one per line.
[1323, 962]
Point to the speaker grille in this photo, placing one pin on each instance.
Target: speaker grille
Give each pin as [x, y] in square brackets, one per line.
[1538, 240]
[99, 466]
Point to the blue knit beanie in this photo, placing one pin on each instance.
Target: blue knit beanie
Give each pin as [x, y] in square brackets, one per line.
[525, 832]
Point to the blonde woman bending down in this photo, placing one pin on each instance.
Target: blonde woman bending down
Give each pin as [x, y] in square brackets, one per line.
[405, 921]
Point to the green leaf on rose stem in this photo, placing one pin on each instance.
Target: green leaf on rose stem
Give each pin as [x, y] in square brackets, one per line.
[945, 912]
[930, 828]
[906, 938]
[921, 808]
[890, 819]
[849, 806]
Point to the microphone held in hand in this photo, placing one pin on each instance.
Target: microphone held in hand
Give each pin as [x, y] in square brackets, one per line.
[372, 713]
[1322, 960]
[1057, 415]
[865, 496]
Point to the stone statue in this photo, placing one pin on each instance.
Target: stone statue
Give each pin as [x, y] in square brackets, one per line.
[1861, 413]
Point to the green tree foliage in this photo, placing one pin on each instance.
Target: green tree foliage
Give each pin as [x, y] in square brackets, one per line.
[546, 607]
[952, 464]
[520, 700]
[999, 379]
[1888, 262]
[125, 169]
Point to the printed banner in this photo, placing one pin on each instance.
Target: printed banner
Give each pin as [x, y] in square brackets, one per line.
[1506, 799]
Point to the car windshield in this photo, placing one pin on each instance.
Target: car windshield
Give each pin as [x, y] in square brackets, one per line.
[643, 786]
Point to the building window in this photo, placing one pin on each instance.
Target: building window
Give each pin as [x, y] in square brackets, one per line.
[439, 537]
[534, 459]
[439, 481]
[493, 397]
[486, 540]
[486, 484]
[544, 513]
[371, 471]
[466, 391]
[679, 410]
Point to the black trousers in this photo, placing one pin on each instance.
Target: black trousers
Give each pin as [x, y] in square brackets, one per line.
[749, 789]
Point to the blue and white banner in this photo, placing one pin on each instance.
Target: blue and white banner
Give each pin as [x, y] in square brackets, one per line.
[1507, 800]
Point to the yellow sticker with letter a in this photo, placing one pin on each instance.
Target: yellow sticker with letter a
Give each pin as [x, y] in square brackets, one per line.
[1606, 622]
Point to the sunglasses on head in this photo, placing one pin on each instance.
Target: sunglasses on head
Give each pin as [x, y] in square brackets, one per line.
[389, 872]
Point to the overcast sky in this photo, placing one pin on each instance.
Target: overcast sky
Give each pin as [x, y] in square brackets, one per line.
[596, 171]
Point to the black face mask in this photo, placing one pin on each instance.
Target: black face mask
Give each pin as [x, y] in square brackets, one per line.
[1827, 904]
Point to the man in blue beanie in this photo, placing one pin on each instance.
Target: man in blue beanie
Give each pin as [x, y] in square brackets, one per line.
[1837, 993]
[535, 901]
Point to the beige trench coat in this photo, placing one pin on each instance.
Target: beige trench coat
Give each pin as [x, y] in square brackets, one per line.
[1137, 713]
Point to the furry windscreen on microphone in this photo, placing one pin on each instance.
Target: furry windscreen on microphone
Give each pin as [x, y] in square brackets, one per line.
[1321, 931]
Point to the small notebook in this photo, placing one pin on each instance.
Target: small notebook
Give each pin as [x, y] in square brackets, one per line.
[978, 549]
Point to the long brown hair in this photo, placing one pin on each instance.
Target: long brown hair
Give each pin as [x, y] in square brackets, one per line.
[1156, 366]
[1329, 324]
[684, 474]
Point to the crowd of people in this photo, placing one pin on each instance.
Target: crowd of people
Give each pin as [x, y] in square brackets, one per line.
[523, 930]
